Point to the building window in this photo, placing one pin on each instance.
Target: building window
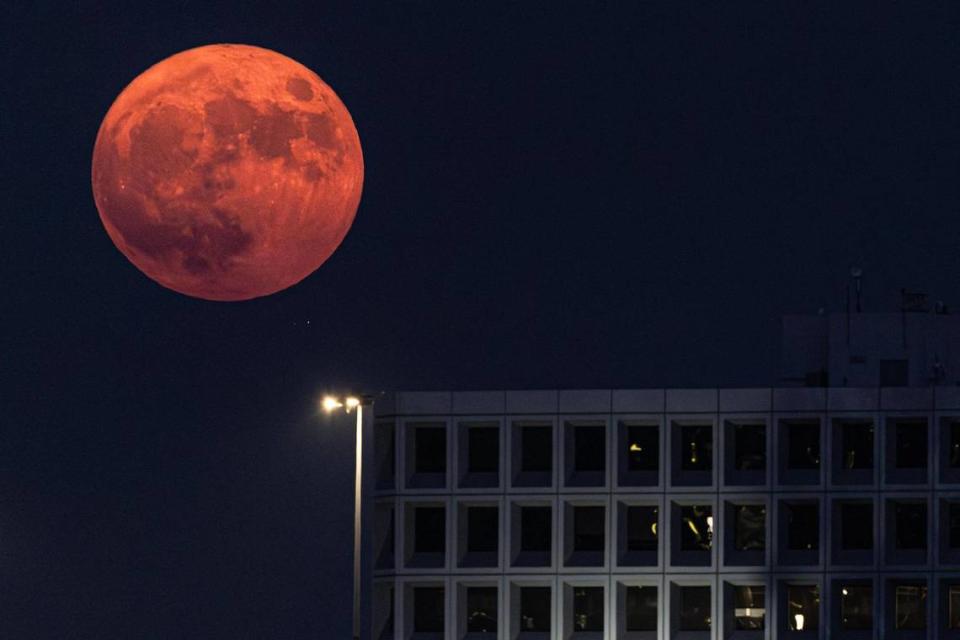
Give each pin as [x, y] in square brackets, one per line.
[479, 455]
[533, 455]
[949, 532]
[856, 607]
[639, 455]
[909, 606]
[480, 540]
[799, 539]
[384, 445]
[692, 455]
[746, 454]
[950, 450]
[587, 609]
[585, 546]
[953, 607]
[803, 445]
[696, 443]
[481, 613]
[638, 534]
[853, 461]
[428, 610]
[427, 455]
[426, 527]
[641, 609]
[910, 522]
[746, 534]
[853, 532]
[533, 535]
[906, 459]
[803, 607]
[586, 446]
[694, 612]
[693, 535]
[534, 610]
[894, 373]
[749, 607]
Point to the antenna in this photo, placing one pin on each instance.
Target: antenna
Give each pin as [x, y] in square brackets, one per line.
[857, 274]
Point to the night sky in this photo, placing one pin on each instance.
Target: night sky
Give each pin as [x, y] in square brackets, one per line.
[555, 196]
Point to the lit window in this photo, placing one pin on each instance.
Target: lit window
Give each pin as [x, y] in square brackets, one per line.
[803, 607]
[910, 607]
[641, 528]
[749, 607]
[856, 607]
[856, 450]
[696, 528]
[696, 442]
[643, 448]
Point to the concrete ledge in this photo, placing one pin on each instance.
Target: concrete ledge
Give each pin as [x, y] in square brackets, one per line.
[800, 399]
[531, 401]
[853, 399]
[584, 401]
[906, 399]
[478, 402]
[638, 401]
[947, 397]
[691, 400]
[745, 399]
[411, 403]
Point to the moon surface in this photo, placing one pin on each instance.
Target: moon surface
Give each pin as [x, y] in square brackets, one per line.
[227, 172]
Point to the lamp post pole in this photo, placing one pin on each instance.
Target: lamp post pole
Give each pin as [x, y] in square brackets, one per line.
[349, 403]
[357, 508]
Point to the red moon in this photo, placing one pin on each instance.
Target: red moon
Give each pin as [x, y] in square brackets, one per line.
[227, 172]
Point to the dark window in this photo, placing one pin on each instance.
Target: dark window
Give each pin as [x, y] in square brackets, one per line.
[641, 528]
[588, 528]
[856, 445]
[588, 609]
[955, 444]
[696, 528]
[803, 607]
[910, 607]
[749, 527]
[428, 609]
[696, 448]
[953, 606]
[750, 447]
[484, 449]
[641, 608]
[481, 609]
[803, 527]
[385, 447]
[694, 609]
[894, 373]
[590, 443]
[643, 448]
[430, 445]
[482, 529]
[953, 510]
[749, 608]
[535, 528]
[535, 609]
[856, 526]
[911, 445]
[429, 530]
[856, 607]
[536, 449]
[803, 445]
[910, 521]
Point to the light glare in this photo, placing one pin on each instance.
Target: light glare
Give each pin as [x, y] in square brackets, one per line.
[330, 403]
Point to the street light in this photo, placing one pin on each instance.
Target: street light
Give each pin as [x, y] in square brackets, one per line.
[348, 404]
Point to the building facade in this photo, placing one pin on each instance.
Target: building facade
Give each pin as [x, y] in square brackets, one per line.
[665, 514]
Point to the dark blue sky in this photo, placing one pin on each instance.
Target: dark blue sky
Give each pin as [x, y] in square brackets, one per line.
[556, 196]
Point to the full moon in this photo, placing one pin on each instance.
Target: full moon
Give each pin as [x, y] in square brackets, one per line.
[227, 172]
